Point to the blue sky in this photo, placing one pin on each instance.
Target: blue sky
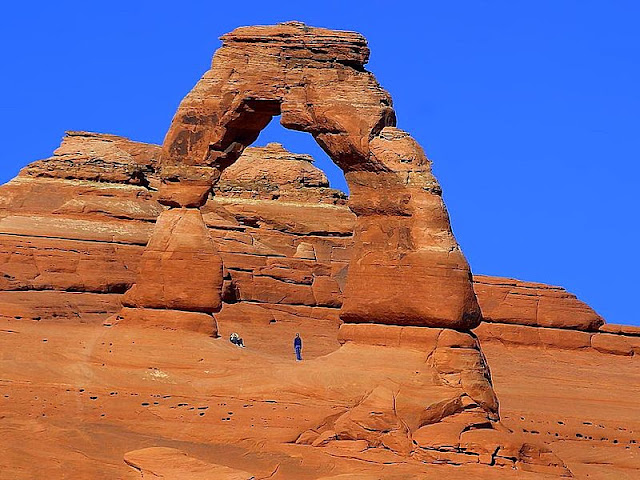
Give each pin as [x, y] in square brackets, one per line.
[530, 111]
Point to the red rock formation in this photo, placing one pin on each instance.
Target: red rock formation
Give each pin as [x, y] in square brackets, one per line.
[172, 463]
[620, 329]
[315, 79]
[509, 334]
[180, 250]
[273, 173]
[405, 267]
[269, 247]
[99, 157]
[506, 300]
[98, 230]
[182, 275]
[391, 390]
[405, 256]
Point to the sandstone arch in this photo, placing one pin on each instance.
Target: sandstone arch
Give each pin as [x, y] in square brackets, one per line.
[408, 286]
[407, 267]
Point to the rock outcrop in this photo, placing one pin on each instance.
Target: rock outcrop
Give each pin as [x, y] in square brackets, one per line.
[171, 463]
[179, 253]
[405, 269]
[274, 173]
[101, 158]
[121, 262]
[65, 234]
[406, 266]
[506, 300]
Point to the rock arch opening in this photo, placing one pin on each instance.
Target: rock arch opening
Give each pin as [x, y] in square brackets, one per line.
[303, 143]
[408, 286]
[407, 283]
[407, 268]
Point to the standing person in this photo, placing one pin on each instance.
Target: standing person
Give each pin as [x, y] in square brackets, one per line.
[297, 346]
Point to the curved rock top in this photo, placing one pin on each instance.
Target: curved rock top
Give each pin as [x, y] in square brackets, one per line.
[99, 157]
[321, 43]
[313, 77]
[508, 300]
[406, 266]
[272, 172]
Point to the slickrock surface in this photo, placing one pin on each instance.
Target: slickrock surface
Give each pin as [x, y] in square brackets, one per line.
[171, 463]
[76, 235]
[82, 398]
[506, 300]
[103, 379]
[285, 264]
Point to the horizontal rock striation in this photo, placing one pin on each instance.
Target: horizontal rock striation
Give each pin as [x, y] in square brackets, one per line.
[274, 173]
[100, 158]
[88, 236]
[404, 250]
[506, 300]
[122, 264]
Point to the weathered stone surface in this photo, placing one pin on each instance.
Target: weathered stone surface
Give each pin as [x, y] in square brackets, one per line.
[506, 300]
[630, 330]
[406, 266]
[452, 387]
[274, 173]
[585, 393]
[99, 157]
[424, 339]
[533, 336]
[174, 464]
[81, 385]
[616, 344]
[76, 229]
[40, 263]
[405, 257]
[313, 77]
[238, 228]
[294, 218]
[180, 268]
[58, 307]
[165, 319]
[25, 195]
[186, 186]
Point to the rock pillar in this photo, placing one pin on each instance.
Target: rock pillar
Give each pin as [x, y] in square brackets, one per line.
[179, 283]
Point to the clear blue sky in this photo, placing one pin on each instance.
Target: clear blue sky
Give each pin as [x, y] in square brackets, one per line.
[530, 111]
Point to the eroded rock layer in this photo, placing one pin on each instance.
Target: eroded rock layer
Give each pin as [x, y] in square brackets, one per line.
[506, 300]
[285, 268]
[406, 266]
[99, 157]
[119, 271]
[63, 233]
[274, 173]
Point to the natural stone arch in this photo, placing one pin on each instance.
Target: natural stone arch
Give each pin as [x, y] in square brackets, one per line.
[407, 268]
[314, 78]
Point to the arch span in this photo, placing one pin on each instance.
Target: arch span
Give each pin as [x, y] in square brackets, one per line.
[407, 268]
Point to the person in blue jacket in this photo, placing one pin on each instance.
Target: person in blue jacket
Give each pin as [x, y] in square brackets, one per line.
[297, 346]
